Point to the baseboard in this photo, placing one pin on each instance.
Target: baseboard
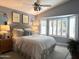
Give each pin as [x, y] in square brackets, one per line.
[62, 44]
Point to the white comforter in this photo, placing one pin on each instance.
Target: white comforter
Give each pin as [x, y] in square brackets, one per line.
[34, 45]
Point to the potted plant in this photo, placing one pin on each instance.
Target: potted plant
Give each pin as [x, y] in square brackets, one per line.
[73, 47]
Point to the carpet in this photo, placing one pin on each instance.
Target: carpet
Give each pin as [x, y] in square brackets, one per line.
[60, 52]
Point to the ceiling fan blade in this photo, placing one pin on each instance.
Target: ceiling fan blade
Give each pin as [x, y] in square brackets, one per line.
[46, 5]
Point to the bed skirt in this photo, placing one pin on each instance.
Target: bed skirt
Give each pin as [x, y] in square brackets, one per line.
[44, 55]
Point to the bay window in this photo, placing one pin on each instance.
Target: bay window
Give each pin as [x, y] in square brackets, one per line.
[59, 26]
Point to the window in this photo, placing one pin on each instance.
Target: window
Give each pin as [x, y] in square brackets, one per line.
[64, 27]
[54, 27]
[60, 26]
[59, 30]
[50, 27]
[72, 27]
[43, 26]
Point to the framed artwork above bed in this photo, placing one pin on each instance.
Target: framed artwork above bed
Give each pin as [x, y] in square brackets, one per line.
[25, 19]
[15, 17]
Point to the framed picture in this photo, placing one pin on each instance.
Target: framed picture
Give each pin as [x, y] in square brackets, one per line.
[3, 18]
[16, 17]
[25, 19]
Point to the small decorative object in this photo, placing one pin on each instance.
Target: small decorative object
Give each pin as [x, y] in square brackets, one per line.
[73, 47]
[5, 23]
[25, 19]
[16, 17]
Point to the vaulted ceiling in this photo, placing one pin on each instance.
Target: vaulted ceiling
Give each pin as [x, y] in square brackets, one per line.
[27, 5]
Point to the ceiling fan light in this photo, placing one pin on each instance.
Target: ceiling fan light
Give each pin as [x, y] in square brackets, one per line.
[37, 8]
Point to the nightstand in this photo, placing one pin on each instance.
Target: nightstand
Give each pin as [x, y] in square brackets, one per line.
[5, 45]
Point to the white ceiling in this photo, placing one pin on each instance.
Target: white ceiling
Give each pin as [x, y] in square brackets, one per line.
[26, 5]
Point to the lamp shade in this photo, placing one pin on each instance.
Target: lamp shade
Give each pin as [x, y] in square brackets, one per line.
[4, 27]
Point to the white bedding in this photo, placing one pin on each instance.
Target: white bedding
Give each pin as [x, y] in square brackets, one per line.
[34, 45]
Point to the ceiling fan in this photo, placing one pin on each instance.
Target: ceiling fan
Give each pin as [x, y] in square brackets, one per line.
[38, 6]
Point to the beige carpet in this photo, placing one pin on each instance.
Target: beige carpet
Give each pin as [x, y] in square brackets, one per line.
[59, 53]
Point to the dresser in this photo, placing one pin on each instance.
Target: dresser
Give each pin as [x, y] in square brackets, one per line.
[5, 45]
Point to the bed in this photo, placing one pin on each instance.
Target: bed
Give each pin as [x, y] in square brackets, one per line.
[34, 46]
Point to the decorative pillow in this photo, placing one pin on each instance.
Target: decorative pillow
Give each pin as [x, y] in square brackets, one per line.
[18, 32]
[27, 31]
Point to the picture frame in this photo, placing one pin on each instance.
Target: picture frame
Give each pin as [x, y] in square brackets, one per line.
[3, 17]
[25, 19]
[15, 17]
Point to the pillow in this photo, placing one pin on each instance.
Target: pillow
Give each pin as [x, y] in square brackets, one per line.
[35, 33]
[27, 32]
[17, 32]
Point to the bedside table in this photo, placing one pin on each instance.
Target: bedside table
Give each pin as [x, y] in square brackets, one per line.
[5, 45]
